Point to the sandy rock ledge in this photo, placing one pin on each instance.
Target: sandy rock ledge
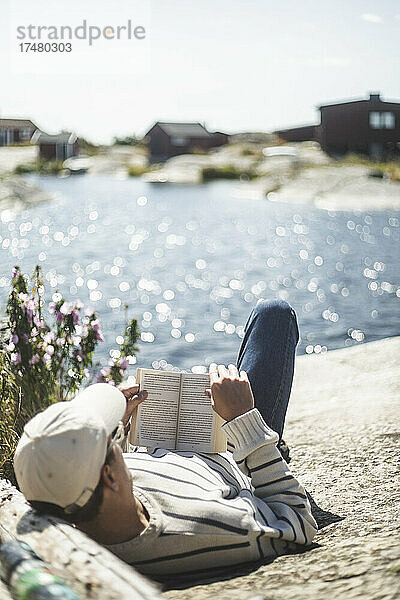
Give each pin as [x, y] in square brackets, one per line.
[17, 193]
[343, 429]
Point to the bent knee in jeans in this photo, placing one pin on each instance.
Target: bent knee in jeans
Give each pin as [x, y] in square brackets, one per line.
[277, 312]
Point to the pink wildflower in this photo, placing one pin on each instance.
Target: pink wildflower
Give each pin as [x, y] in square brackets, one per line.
[66, 308]
[38, 322]
[14, 338]
[48, 337]
[124, 363]
[31, 304]
[78, 355]
[15, 358]
[35, 358]
[97, 330]
[96, 325]
[47, 359]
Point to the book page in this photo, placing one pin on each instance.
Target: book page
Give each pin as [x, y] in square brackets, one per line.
[157, 416]
[197, 419]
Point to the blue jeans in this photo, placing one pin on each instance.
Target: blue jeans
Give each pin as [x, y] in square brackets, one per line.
[267, 355]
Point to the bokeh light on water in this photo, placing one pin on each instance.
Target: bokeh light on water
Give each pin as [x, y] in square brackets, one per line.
[191, 261]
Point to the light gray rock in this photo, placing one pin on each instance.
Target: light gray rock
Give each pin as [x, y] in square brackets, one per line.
[12, 156]
[16, 193]
[343, 429]
[92, 571]
[4, 592]
[340, 188]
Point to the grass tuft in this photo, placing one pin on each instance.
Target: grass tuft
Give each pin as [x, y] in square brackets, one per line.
[43, 167]
[10, 425]
[226, 172]
[137, 170]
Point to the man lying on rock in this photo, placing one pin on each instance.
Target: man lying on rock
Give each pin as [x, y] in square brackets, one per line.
[170, 512]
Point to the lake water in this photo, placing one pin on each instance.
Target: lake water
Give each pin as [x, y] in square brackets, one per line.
[191, 261]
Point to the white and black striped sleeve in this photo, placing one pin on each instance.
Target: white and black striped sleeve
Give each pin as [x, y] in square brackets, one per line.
[287, 506]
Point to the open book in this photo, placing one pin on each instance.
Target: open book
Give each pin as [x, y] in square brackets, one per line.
[177, 415]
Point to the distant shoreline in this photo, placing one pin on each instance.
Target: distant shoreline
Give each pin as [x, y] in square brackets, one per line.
[311, 179]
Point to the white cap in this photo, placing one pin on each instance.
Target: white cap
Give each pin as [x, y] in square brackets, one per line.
[62, 449]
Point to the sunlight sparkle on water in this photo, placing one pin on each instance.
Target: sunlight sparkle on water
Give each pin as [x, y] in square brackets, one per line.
[191, 262]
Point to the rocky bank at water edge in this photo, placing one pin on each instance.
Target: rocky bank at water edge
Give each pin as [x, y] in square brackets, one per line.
[343, 429]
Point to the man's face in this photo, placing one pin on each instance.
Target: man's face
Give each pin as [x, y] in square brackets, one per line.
[121, 471]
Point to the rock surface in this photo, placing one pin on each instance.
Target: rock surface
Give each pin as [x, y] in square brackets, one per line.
[91, 570]
[343, 429]
[12, 156]
[340, 188]
[16, 194]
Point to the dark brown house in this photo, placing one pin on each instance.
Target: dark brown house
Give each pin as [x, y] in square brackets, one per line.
[171, 139]
[56, 147]
[370, 127]
[304, 133]
[15, 131]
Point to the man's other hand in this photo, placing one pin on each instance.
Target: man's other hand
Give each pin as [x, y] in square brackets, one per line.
[230, 391]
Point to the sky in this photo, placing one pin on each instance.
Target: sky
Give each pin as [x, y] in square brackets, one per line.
[235, 65]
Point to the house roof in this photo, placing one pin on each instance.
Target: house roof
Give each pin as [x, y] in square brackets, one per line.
[184, 129]
[65, 137]
[17, 123]
[296, 128]
[373, 99]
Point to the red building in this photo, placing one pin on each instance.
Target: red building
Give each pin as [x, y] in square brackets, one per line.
[370, 127]
[172, 139]
[304, 133]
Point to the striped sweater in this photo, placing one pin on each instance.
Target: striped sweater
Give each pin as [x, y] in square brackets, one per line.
[213, 512]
